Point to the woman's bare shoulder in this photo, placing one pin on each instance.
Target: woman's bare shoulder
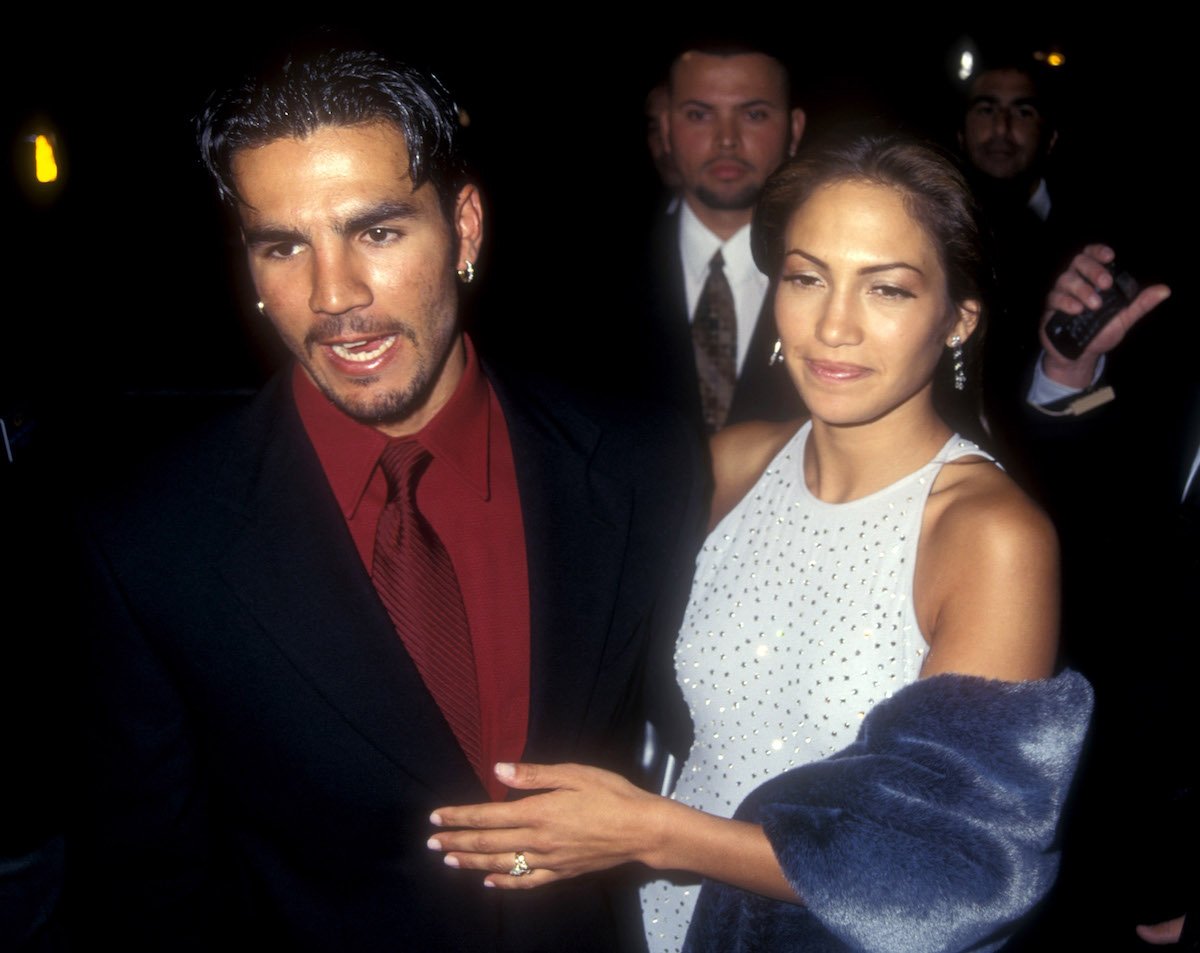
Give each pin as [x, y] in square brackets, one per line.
[987, 585]
[975, 499]
[740, 454]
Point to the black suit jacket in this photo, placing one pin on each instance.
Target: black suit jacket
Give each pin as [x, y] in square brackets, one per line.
[262, 754]
[667, 363]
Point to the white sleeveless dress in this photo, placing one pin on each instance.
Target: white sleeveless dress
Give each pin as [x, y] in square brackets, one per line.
[800, 620]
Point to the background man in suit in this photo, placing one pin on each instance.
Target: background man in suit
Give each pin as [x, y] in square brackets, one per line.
[729, 124]
[1009, 129]
[339, 608]
[1115, 435]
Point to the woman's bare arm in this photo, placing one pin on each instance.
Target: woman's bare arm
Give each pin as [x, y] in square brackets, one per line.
[589, 819]
[987, 578]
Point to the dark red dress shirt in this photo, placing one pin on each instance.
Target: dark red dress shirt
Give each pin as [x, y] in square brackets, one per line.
[469, 495]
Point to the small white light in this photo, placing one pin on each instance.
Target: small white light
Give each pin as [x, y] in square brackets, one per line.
[966, 63]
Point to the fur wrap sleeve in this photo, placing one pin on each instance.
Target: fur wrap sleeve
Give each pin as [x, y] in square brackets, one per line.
[934, 831]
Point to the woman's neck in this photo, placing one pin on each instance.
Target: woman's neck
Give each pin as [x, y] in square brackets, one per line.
[844, 463]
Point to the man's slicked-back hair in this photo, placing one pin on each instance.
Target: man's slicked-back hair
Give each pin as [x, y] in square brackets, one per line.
[305, 92]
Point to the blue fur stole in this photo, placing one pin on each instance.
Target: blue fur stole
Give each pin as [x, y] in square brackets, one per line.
[934, 831]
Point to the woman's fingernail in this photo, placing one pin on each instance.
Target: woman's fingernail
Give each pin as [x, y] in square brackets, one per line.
[451, 860]
[435, 818]
[433, 844]
[506, 771]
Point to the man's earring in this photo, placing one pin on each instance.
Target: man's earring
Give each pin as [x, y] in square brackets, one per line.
[466, 274]
[956, 354]
[776, 354]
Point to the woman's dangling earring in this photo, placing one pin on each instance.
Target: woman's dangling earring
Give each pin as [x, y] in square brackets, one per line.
[262, 306]
[956, 354]
[776, 354]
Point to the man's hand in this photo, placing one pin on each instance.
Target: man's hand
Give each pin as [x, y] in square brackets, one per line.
[1162, 934]
[1078, 288]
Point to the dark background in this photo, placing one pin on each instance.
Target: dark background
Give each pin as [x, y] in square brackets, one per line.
[125, 276]
[127, 314]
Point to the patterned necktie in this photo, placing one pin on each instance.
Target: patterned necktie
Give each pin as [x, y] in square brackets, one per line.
[416, 581]
[714, 338]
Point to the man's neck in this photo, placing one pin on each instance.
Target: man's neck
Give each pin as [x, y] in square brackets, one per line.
[1011, 193]
[724, 223]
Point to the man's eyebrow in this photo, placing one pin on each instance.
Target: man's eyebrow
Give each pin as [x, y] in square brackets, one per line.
[377, 215]
[995, 101]
[272, 235]
[761, 101]
[267, 234]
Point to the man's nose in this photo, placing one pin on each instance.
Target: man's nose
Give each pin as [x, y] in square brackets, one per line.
[728, 132]
[337, 283]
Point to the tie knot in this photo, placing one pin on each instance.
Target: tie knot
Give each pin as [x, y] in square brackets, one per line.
[403, 461]
[717, 262]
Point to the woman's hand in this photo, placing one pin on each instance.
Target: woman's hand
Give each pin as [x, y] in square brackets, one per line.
[588, 819]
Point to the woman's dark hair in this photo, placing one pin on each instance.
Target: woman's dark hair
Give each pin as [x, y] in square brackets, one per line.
[936, 196]
[336, 88]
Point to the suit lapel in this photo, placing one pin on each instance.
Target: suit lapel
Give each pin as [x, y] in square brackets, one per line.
[576, 530]
[296, 570]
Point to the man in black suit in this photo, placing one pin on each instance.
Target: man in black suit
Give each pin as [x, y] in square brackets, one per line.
[729, 124]
[339, 608]
[1115, 436]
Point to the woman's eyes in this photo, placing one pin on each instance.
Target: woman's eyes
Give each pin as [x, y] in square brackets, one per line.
[803, 279]
[892, 292]
[885, 290]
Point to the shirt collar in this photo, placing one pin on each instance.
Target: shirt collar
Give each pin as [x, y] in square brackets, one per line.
[349, 451]
[1039, 202]
[697, 245]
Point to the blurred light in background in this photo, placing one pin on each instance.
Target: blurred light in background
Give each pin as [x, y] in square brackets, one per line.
[966, 63]
[1053, 58]
[45, 166]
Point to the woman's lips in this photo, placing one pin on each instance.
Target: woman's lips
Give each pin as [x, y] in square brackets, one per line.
[836, 371]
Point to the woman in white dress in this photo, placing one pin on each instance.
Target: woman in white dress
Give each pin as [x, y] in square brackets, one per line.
[851, 555]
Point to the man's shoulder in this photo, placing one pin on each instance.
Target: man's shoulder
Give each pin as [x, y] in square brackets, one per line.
[158, 472]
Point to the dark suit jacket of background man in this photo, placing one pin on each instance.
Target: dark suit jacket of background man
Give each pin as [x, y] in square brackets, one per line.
[263, 756]
[660, 349]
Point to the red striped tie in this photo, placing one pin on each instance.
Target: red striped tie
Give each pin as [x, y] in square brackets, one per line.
[416, 581]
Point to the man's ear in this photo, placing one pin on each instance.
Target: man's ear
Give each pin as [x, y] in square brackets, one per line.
[797, 131]
[468, 223]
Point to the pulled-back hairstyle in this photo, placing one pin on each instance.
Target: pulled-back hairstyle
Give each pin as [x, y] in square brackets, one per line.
[935, 195]
[336, 88]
